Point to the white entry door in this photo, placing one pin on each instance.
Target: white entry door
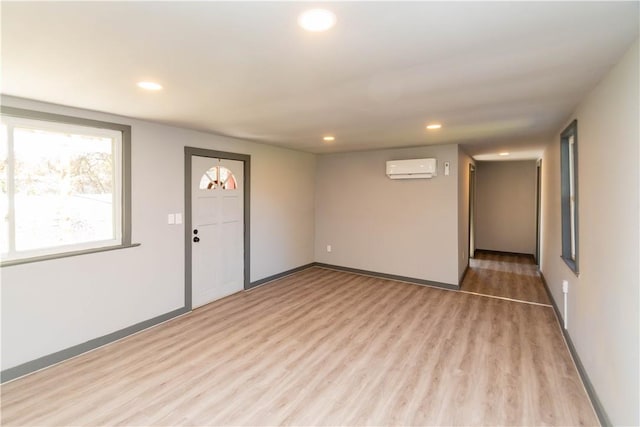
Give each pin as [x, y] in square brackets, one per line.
[217, 235]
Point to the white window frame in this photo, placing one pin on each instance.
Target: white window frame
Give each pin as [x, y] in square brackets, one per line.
[121, 135]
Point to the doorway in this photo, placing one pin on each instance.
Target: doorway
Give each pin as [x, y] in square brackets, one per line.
[472, 209]
[538, 208]
[217, 256]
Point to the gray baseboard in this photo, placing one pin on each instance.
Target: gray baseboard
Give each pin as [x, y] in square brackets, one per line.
[389, 276]
[464, 273]
[491, 251]
[68, 353]
[591, 391]
[279, 275]
[76, 350]
[62, 355]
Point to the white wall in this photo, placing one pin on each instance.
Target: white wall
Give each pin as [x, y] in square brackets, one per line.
[52, 305]
[603, 313]
[402, 227]
[464, 161]
[506, 206]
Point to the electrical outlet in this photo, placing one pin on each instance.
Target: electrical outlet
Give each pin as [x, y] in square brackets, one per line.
[328, 248]
[565, 286]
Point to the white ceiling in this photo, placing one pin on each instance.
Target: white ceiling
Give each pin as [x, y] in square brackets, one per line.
[498, 75]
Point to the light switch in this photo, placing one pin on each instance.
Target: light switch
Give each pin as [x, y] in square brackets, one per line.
[178, 218]
[171, 219]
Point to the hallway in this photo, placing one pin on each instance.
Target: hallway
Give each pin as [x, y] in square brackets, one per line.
[511, 276]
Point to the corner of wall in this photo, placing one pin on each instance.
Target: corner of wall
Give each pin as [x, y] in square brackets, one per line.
[603, 301]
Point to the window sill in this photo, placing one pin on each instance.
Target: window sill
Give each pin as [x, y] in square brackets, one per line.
[12, 262]
[572, 265]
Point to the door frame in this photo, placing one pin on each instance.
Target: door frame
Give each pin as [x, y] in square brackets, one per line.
[472, 212]
[189, 152]
[538, 208]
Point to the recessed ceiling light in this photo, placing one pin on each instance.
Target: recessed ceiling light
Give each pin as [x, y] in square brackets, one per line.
[317, 20]
[329, 138]
[434, 126]
[149, 85]
[504, 153]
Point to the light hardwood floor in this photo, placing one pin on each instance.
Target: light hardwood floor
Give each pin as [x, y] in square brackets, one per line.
[505, 275]
[321, 347]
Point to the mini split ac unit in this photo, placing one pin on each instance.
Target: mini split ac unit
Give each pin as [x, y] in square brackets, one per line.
[412, 168]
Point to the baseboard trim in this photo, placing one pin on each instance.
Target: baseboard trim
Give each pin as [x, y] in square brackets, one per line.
[464, 273]
[389, 276]
[76, 350]
[32, 366]
[489, 251]
[591, 391]
[279, 275]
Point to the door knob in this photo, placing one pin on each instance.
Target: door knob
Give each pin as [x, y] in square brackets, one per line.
[196, 239]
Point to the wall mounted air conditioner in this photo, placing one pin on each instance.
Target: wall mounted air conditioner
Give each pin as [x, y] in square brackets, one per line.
[412, 168]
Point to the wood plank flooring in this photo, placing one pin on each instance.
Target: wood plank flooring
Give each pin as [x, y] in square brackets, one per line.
[505, 275]
[321, 347]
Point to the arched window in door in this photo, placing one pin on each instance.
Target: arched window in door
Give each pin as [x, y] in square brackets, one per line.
[218, 177]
